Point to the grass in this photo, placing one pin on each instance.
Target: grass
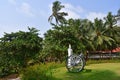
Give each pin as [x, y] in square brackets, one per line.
[103, 71]
[40, 71]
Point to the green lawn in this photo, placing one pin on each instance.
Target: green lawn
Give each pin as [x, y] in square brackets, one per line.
[103, 71]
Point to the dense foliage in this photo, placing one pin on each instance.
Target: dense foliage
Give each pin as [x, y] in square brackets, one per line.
[20, 48]
[83, 35]
[17, 49]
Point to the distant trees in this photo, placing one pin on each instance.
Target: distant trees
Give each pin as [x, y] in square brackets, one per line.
[17, 49]
[84, 36]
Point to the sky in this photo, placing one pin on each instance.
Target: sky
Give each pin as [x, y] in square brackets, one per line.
[16, 15]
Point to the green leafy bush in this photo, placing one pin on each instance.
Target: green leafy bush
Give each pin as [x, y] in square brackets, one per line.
[17, 49]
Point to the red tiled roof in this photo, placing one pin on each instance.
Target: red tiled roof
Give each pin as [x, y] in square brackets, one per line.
[107, 51]
[116, 49]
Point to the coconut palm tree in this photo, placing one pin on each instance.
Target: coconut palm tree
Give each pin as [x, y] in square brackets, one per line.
[84, 33]
[59, 16]
[98, 37]
[112, 30]
[110, 20]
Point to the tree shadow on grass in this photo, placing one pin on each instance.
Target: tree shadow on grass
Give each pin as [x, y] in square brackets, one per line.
[89, 74]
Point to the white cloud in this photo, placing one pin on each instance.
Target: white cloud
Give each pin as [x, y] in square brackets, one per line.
[77, 12]
[72, 14]
[74, 8]
[12, 2]
[25, 8]
[92, 15]
[42, 13]
[118, 22]
[73, 11]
